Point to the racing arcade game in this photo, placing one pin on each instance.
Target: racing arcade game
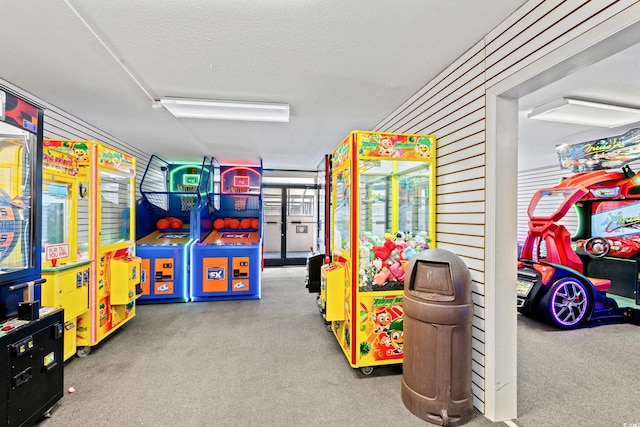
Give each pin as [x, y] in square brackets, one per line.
[31, 336]
[383, 214]
[595, 274]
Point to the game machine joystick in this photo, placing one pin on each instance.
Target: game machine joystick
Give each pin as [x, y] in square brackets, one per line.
[65, 266]
[382, 215]
[31, 334]
[106, 179]
[166, 221]
[227, 257]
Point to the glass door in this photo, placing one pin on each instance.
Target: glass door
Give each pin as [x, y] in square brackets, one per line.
[272, 226]
[290, 224]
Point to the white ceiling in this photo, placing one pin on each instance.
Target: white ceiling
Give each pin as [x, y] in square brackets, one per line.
[341, 65]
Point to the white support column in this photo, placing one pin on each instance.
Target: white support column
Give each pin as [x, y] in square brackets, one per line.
[500, 263]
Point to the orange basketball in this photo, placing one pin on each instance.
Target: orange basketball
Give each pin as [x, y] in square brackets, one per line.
[175, 223]
[234, 223]
[245, 223]
[162, 223]
[227, 222]
[255, 223]
[218, 224]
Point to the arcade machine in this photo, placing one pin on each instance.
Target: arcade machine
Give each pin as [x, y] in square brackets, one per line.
[383, 214]
[594, 274]
[226, 261]
[106, 189]
[31, 336]
[165, 227]
[65, 266]
[316, 258]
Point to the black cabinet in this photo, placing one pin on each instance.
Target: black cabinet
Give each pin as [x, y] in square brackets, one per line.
[31, 367]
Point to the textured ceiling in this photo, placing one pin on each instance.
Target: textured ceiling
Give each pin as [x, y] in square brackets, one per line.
[341, 65]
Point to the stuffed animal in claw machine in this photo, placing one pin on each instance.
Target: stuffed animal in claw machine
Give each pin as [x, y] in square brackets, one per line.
[382, 255]
[364, 255]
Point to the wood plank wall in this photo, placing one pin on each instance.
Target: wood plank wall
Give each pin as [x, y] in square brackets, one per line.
[452, 106]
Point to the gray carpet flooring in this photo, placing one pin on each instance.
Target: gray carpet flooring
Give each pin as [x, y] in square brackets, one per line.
[272, 362]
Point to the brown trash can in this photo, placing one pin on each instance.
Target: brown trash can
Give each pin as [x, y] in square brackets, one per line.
[436, 367]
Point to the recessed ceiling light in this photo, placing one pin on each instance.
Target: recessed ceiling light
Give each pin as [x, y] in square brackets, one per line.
[226, 110]
[586, 113]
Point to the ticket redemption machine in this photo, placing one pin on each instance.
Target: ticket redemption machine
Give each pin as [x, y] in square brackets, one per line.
[106, 189]
[165, 227]
[383, 214]
[31, 335]
[65, 266]
[226, 262]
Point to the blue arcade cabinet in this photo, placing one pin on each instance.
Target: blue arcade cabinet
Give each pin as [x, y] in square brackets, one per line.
[226, 258]
[165, 227]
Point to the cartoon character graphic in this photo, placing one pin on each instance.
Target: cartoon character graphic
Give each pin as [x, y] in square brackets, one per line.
[396, 336]
[80, 150]
[386, 149]
[424, 151]
[382, 320]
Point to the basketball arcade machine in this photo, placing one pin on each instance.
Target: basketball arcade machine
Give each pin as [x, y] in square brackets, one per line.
[165, 227]
[31, 337]
[106, 191]
[65, 267]
[383, 214]
[226, 262]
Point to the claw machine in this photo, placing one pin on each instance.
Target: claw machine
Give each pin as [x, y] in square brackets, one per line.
[65, 265]
[106, 192]
[382, 215]
[31, 337]
[226, 259]
[165, 224]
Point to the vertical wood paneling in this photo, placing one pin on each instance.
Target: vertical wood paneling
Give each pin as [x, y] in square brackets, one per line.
[549, 25]
[452, 106]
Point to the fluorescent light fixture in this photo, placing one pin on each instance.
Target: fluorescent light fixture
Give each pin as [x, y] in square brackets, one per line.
[587, 113]
[226, 110]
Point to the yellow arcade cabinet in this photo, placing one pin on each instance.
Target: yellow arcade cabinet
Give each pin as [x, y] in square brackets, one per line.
[382, 215]
[65, 266]
[106, 191]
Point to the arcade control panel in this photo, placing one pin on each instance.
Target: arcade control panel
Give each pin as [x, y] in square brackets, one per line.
[31, 366]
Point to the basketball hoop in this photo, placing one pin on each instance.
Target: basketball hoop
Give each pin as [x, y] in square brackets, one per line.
[240, 202]
[187, 200]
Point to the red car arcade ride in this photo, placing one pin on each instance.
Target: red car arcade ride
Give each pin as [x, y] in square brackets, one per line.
[595, 275]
